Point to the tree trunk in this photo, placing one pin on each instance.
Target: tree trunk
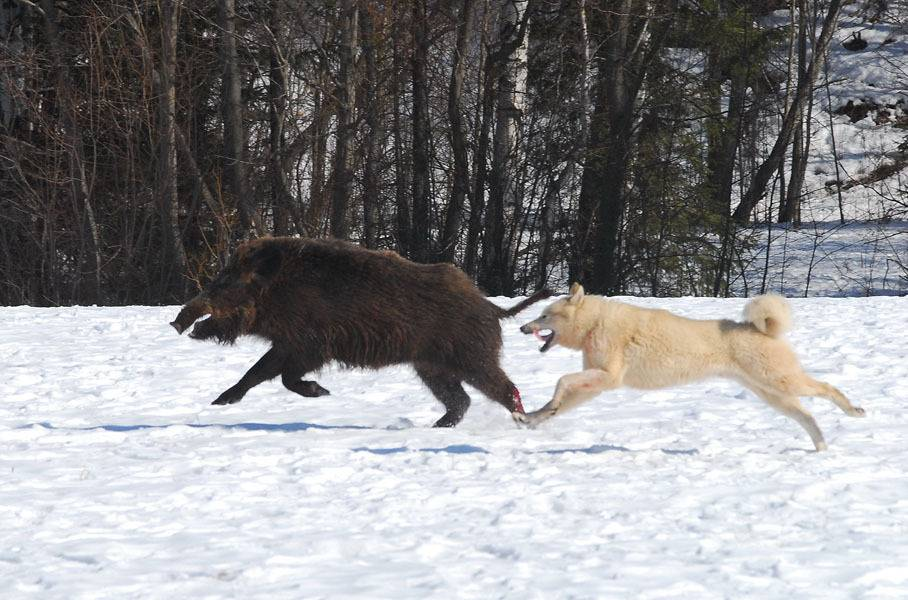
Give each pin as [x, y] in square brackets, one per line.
[602, 190]
[421, 176]
[401, 174]
[166, 180]
[281, 200]
[372, 135]
[343, 151]
[632, 38]
[12, 14]
[234, 133]
[802, 94]
[461, 184]
[317, 199]
[581, 226]
[480, 154]
[509, 67]
[790, 211]
[90, 243]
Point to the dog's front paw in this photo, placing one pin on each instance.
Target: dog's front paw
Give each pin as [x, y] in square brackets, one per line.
[530, 420]
[538, 417]
[520, 418]
[857, 411]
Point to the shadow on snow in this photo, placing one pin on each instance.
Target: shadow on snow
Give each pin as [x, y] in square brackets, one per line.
[301, 426]
[284, 427]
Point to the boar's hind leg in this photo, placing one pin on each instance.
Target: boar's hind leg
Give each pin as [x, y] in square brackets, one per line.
[496, 385]
[449, 392]
[267, 367]
[293, 371]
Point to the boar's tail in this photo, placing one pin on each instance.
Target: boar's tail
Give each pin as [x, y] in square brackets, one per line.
[504, 313]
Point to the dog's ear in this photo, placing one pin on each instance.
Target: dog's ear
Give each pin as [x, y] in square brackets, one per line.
[576, 293]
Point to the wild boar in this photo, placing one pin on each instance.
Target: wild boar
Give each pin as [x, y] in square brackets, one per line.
[319, 301]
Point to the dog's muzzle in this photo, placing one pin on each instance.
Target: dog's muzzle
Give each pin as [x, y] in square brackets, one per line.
[547, 338]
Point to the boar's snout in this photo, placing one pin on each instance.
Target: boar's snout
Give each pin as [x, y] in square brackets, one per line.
[194, 310]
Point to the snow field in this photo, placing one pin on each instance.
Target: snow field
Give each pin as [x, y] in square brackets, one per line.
[120, 480]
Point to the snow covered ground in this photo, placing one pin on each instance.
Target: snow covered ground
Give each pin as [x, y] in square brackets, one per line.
[826, 259]
[869, 254]
[119, 480]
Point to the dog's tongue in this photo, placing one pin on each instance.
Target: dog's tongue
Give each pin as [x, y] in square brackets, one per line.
[545, 339]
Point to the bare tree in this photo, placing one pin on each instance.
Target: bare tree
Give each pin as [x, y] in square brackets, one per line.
[373, 131]
[90, 247]
[234, 131]
[791, 117]
[507, 65]
[420, 241]
[791, 205]
[342, 188]
[282, 205]
[631, 35]
[166, 180]
[461, 176]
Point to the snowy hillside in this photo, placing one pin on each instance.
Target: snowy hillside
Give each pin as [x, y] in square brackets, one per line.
[859, 137]
[119, 480]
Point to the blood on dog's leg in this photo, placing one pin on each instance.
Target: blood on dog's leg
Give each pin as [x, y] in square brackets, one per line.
[449, 392]
[574, 389]
[790, 406]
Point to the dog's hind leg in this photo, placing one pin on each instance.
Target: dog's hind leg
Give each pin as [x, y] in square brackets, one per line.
[783, 376]
[450, 393]
[574, 389]
[808, 386]
[790, 406]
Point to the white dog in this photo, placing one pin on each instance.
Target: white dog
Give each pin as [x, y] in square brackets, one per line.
[643, 348]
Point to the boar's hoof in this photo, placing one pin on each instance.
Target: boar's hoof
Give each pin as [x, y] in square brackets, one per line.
[311, 389]
[448, 420]
[229, 397]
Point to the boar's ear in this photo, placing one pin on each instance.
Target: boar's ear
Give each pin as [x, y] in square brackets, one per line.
[265, 261]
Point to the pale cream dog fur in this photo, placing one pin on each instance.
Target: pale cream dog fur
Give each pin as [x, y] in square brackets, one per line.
[643, 348]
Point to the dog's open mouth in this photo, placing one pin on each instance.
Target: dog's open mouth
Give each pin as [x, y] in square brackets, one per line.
[547, 336]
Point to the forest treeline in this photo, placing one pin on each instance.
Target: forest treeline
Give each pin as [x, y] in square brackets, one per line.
[622, 143]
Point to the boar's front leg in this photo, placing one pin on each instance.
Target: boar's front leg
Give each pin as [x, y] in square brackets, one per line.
[267, 367]
[295, 368]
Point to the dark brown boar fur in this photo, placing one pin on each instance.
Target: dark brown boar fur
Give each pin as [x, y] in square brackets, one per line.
[319, 301]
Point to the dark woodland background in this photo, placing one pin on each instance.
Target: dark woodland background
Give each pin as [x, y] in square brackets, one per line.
[528, 142]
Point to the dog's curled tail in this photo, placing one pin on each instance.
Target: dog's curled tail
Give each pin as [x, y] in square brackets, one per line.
[770, 314]
[504, 313]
